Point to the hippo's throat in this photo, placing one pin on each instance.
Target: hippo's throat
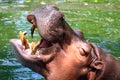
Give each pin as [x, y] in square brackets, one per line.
[45, 44]
[45, 48]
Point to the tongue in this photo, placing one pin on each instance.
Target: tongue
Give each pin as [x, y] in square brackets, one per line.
[45, 44]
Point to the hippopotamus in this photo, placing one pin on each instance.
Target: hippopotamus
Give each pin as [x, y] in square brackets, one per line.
[62, 53]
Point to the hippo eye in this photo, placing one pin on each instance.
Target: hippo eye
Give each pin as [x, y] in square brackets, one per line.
[86, 53]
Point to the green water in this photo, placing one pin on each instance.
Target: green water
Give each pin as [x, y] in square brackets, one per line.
[98, 19]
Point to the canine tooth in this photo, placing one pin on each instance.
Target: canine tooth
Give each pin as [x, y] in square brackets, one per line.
[23, 39]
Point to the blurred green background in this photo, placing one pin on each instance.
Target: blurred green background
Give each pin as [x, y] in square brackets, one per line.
[98, 19]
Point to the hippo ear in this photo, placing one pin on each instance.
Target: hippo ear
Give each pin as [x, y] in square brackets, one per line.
[98, 65]
[79, 34]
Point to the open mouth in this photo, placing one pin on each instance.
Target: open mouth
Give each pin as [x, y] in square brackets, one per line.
[45, 44]
[34, 46]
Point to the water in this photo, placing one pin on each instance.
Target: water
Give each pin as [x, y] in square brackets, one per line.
[98, 19]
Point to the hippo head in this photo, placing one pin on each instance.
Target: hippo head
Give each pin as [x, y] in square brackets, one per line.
[62, 54]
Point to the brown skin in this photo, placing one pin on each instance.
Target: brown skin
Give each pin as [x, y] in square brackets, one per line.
[64, 54]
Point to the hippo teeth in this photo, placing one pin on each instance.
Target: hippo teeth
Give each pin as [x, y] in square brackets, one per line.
[45, 44]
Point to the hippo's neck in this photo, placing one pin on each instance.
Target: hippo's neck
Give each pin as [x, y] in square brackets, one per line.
[69, 35]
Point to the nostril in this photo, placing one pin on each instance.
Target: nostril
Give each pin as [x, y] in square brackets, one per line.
[31, 18]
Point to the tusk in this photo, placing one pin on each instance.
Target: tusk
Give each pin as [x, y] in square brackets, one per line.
[32, 30]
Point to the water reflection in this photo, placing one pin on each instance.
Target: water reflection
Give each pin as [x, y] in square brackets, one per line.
[99, 22]
[13, 1]
[11, 22]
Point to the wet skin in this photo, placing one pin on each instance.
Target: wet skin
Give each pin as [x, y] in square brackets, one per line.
[64, 54]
